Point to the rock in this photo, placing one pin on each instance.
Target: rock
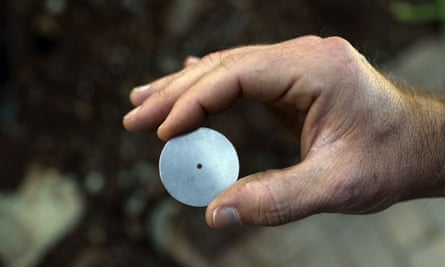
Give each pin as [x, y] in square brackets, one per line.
[133, 6]
[47, 206]
[167, 234]
[142, 175]
[55, 7]
[94, 182]
[181, 16]
[134, 204]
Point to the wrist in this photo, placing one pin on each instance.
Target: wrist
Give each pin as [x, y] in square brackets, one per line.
[440, 121]
[428, 122]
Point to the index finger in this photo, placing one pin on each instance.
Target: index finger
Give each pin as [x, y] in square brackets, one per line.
[159, 101]
[279, 75]
[265, 76]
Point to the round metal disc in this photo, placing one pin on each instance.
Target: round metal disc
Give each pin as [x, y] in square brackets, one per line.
[198, 166]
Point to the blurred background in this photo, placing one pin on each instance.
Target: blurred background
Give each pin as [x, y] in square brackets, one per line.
[77, 190]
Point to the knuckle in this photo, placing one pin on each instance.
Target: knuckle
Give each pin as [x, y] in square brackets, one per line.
[276, 215]
[228, 61]
[307, 39]
[337, 40]
[311, 38]
[221, 59]
[162, 94]
[339, 48]
[213, 58]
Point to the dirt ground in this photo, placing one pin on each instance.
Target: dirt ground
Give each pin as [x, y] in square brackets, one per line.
[69, 66]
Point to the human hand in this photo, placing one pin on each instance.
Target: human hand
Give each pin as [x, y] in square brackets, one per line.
[365, 144]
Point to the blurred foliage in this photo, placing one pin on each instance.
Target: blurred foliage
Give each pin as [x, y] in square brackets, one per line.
[430, 11]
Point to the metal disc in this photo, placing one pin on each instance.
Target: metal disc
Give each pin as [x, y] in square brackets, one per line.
[198, 166]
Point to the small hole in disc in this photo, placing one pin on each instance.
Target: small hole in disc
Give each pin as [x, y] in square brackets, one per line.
[199, 166]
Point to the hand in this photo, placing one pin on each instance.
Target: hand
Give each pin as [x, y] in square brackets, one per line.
[365, 143]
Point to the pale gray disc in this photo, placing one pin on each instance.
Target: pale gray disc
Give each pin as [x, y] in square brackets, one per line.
[198, 166]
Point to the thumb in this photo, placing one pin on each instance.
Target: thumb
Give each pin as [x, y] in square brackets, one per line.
[272, 197]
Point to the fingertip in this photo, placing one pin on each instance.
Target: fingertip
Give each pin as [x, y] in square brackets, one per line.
[130, 115]
[144, 118]
[166, 132]
[139, 94]
[191, 60]
[209, 217]
[134, 99]
[128, 125]
[162, 133]
[131, 124]
[141, 88]
[225, 216]
[212, 209]
[224, 210]
[124, 123]
[185, 116]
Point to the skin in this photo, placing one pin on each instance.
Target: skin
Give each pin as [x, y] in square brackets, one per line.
[365, 143]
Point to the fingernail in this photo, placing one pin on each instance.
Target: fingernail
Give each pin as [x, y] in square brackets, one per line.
[225, 216]
[141, 88]
[192, 58]
[132, 113]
